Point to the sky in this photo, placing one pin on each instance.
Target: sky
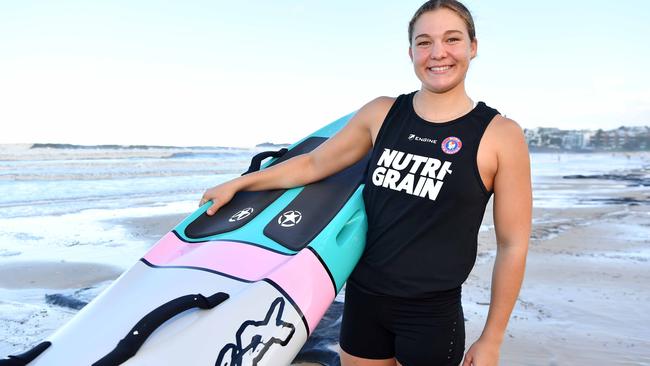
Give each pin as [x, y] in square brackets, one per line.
[239, 73]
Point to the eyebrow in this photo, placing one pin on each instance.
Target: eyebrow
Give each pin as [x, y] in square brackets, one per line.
[446, 32]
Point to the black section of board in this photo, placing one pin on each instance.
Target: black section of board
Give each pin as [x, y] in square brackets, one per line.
[128, 346]
[316, 205]
[245, 205]
[24, 358]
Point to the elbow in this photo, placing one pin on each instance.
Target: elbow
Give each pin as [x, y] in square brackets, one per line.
[309, 171]
[518, 249]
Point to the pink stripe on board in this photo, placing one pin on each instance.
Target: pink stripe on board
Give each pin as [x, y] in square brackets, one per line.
[301, 276]
[308, 284]
[243, 261]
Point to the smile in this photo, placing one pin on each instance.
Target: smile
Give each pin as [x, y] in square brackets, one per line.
[439, 69]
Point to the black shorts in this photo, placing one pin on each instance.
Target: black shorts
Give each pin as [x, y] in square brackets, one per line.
[417, 332]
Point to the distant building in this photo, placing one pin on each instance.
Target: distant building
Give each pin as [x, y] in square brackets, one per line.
[622, 138]
[573, 140]
[533, 137]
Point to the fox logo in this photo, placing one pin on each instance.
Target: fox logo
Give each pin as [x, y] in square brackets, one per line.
[255, 338]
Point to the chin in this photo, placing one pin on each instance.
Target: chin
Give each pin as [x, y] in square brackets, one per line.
[439, 88]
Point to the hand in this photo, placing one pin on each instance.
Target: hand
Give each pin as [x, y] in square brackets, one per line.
[219, 195]
[482, 353]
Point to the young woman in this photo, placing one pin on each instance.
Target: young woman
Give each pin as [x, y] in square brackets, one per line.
[437, 157]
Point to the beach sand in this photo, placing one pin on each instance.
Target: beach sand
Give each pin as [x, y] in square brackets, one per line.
[584, 293]
[54, 275]
[583, 301]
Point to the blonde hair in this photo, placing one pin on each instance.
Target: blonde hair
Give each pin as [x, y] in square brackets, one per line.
[453, 5]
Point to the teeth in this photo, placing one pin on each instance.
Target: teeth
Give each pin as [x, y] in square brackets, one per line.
[440, 68]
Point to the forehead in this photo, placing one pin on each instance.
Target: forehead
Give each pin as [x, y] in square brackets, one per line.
[438, 22]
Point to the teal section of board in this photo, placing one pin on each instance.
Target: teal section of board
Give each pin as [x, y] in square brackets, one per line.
[327, 131]
[339, 244]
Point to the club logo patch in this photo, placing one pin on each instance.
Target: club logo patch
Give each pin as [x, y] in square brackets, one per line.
[242, 214]
[451, 145]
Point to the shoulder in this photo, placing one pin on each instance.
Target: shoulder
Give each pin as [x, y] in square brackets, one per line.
[504, 129]
[503, 140]
[379, 105]
[383, 101]
[505, 125]
[508, 139]
[375, 111]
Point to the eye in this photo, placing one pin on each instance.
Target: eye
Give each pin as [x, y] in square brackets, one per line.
[453, 40]
[423, 43]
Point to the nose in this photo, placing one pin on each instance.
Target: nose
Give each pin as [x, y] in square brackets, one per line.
[438, 51]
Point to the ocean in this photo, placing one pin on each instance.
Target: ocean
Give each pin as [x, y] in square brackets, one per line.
[62, 202]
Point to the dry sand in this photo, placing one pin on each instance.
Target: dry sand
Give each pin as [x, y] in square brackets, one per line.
[584, 299]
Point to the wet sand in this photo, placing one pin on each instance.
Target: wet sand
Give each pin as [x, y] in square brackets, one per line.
[54, 275]
[582, 300]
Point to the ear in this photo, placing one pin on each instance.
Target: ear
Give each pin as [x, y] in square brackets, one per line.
[411, 53]
[473, 48]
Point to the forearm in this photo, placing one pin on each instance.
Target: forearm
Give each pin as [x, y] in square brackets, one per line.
[294, 172]
[507, 278]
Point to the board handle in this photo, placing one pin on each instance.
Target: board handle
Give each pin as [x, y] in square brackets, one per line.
[256, 162]
[27, 357]
[131, 343]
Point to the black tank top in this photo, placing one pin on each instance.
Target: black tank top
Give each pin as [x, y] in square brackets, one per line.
[425, 201]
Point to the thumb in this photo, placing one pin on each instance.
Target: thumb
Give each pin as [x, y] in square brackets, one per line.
[468, 360]
[214, 207]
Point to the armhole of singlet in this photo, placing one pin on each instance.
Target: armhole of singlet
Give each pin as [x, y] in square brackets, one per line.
[479, 138]
[384, 125]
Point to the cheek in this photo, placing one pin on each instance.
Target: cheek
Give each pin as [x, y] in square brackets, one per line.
[419, 57]
[463, 54]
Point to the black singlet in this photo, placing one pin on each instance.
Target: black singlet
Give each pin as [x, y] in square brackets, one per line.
[425, 201]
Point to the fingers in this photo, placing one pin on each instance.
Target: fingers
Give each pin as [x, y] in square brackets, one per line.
[218, 195]
[215, 206]
[207, 198]
[467, 361]
[204, 199]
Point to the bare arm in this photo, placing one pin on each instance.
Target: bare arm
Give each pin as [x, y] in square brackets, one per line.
[337, 153]
[512, 219]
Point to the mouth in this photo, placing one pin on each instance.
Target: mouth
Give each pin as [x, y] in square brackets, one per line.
[439, 69]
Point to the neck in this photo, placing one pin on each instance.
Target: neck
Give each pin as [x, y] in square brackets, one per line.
[440, 107]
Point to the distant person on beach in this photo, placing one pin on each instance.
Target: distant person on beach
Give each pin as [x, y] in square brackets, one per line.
[436, 159]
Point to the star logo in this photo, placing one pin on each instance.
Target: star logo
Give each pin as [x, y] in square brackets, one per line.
[242, 214]
[290, 218]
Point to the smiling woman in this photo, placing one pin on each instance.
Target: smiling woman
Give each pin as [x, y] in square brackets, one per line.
[441, 52]
[403, 299]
